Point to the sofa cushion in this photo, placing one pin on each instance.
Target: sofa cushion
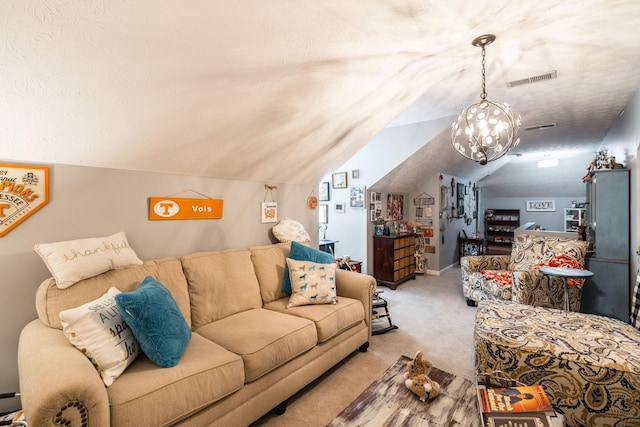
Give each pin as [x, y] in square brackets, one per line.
[155, 319]
[74, 260]
[312, 283]
[531, 250]
[265, 339]
[330, 319]
[50, 300]
[301, 252]
[220, 283]
[269, 264]
[288, 230]
[93, 327]
[206, 373]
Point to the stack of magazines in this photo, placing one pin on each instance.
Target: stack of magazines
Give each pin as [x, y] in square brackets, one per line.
[516, 406]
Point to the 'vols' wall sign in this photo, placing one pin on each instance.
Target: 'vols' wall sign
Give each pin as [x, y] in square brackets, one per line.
[23, 190]
[182, 208]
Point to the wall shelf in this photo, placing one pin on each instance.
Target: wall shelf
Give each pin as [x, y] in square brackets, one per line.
[574, 218]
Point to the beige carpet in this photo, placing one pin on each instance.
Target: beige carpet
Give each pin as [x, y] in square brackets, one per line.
[432, 316]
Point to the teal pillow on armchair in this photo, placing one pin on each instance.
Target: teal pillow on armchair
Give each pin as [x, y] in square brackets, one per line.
[304, 253]
[156, 322]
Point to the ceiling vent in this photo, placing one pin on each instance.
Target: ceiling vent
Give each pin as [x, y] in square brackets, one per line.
[548, 76]
[539, 127]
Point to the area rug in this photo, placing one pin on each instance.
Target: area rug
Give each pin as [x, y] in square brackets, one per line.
[387, 402]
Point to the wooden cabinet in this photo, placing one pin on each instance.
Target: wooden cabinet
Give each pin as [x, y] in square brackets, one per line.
[574, 218]
[608, 291]
[499, 227]
[393, 259]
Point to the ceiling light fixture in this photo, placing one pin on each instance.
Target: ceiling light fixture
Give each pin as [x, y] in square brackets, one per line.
[547, 163]
[485, 131]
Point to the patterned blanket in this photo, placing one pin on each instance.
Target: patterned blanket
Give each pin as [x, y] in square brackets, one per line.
[503, 277]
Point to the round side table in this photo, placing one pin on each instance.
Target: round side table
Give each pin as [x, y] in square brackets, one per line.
[565, 273]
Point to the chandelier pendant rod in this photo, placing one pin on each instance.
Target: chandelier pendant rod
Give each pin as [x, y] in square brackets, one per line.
[483, 95]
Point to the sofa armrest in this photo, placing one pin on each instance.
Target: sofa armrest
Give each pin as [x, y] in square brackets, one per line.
[475, 263]
[358, 286]
[58, 383]
[531, 287]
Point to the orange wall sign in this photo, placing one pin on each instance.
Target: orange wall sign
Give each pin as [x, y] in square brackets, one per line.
[23, 190]
[183, 208]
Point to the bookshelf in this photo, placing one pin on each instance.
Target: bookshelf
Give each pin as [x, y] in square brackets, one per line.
[574, 218]
[499, 227]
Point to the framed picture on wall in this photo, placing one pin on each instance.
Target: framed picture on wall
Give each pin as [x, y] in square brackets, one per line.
[356, 196]
[341, 207]
[339, 180]
[376, 210]
[268, 212]
[395, 205]
[324, 194]
[541, 205]
[323, 214]
[460, 202]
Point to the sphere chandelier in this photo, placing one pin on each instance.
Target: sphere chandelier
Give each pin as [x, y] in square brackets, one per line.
[486, 130]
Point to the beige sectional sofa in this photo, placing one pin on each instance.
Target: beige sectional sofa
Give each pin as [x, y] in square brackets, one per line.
[247, 354]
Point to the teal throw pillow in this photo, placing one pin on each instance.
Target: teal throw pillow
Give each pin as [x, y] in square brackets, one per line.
[156, 322]
[301, 252]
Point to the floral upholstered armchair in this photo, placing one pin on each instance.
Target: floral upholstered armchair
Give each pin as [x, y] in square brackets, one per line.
[516, 277]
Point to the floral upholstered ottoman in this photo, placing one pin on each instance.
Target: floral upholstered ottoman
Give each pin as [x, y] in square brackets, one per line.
[589, 365]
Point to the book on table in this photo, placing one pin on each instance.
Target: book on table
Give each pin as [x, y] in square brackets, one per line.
[514, 399]
[516, 406]
[520, 419]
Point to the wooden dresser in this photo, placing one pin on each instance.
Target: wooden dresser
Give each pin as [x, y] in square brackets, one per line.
[393, 259]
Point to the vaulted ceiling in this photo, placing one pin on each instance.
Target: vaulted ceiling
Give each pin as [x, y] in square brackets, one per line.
[284, 91]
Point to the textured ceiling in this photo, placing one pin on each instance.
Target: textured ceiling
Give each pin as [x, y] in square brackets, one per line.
[239, 89]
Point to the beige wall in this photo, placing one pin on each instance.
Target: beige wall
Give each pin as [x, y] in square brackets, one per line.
[91, 202]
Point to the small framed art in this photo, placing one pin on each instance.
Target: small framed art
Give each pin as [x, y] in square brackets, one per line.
[268, 212]
[339, 180]
[395, 205]
[357, 196]
[324, 192]
[541, 205]
[341, 207]
[323, 214]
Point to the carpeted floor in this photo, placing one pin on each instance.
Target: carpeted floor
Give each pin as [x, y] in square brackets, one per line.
[432, 316]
